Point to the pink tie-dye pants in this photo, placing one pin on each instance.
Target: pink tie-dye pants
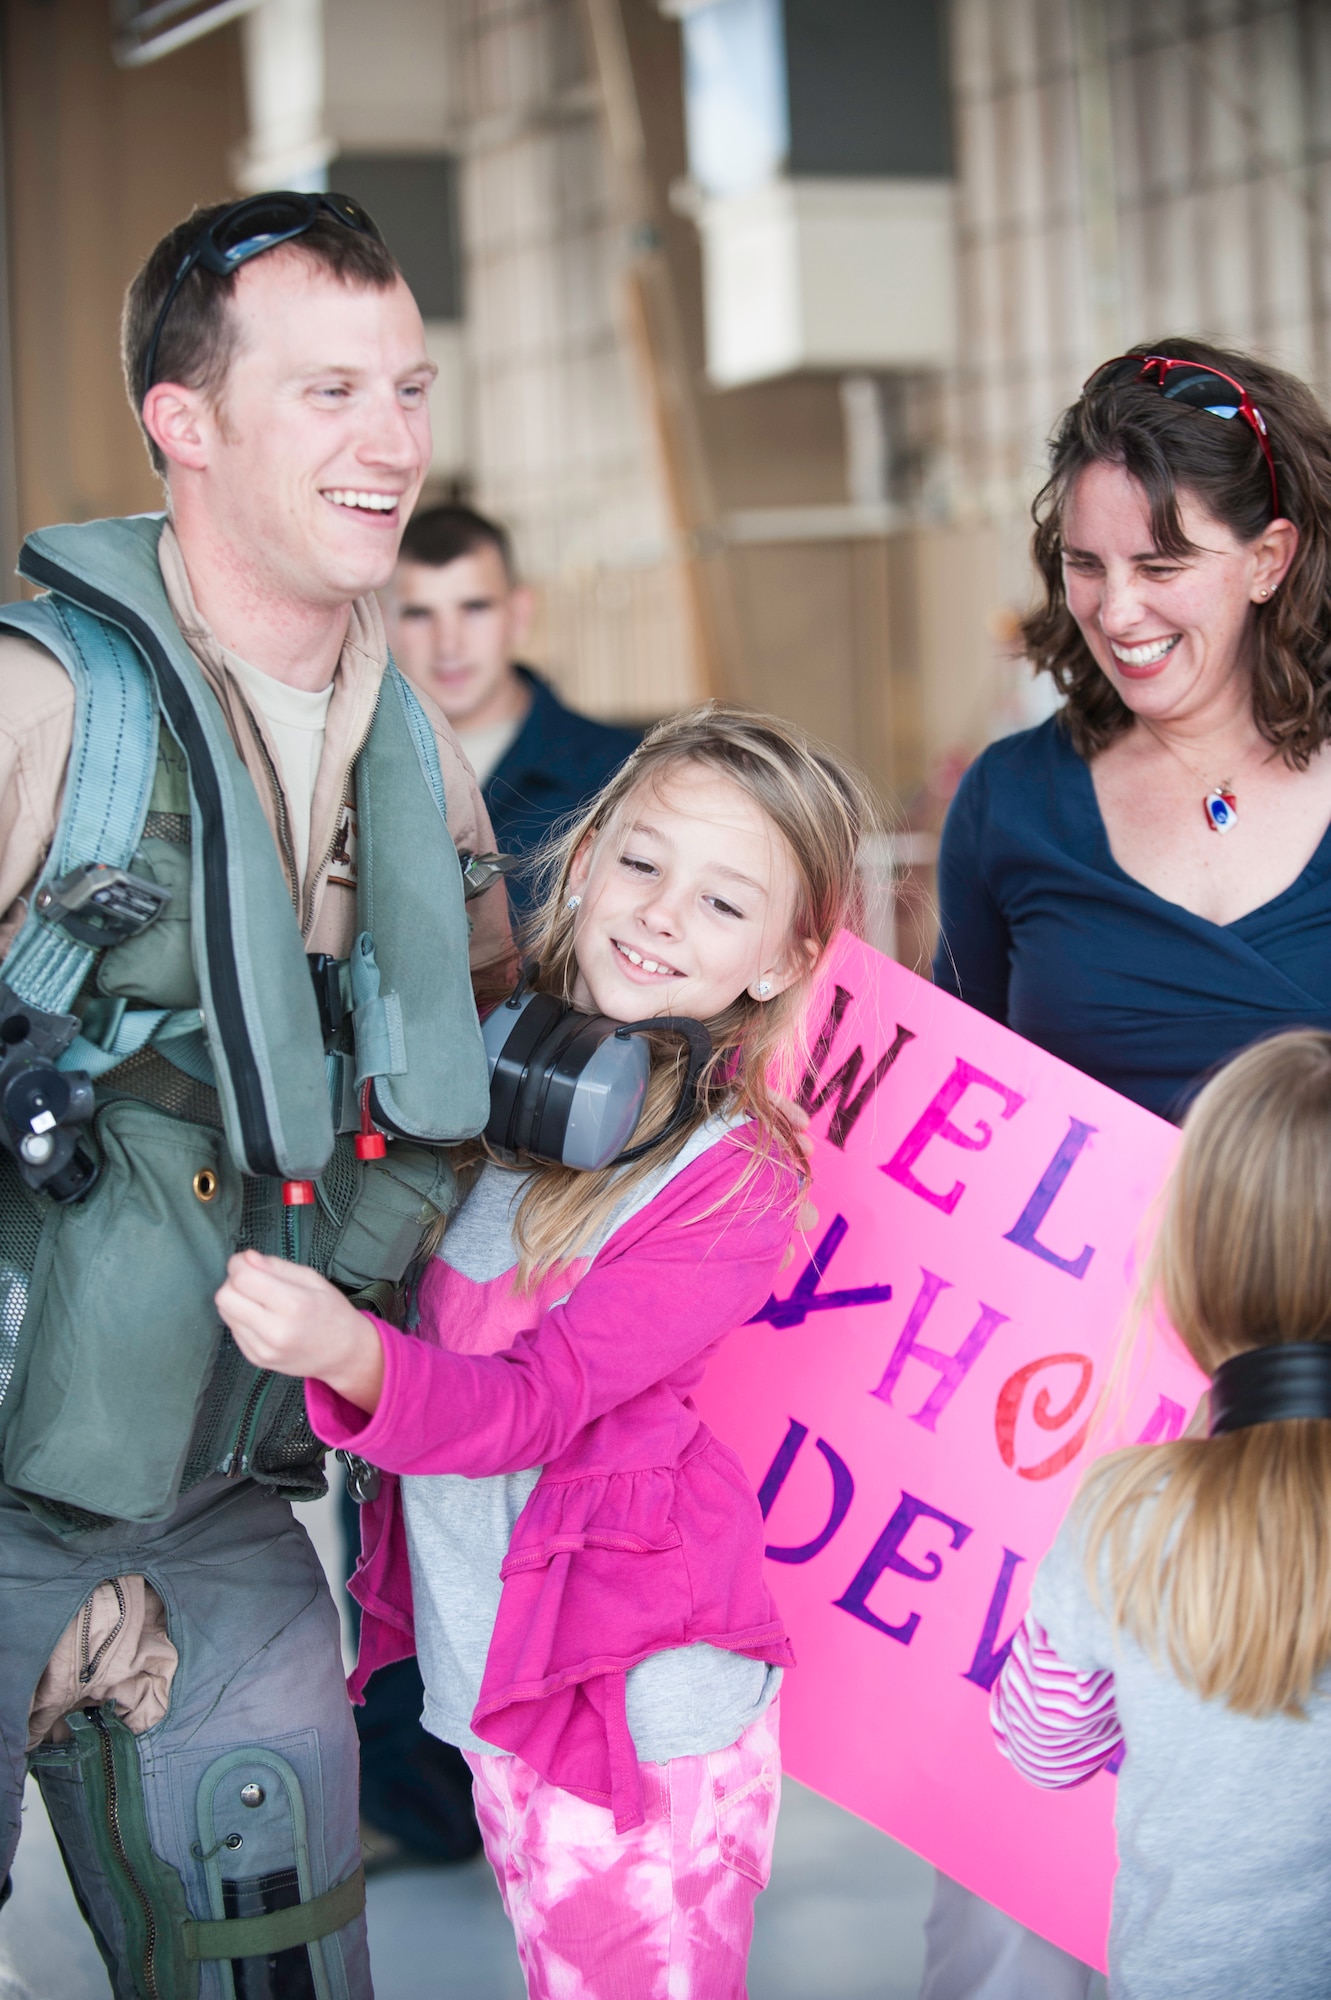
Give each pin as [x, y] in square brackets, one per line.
[664, 1912]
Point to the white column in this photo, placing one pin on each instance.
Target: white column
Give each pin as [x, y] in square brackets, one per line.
[289, 142]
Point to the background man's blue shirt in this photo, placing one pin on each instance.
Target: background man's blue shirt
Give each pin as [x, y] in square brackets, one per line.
[557, 762]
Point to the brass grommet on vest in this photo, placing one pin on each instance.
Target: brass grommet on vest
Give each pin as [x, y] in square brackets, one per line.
[205, 1183]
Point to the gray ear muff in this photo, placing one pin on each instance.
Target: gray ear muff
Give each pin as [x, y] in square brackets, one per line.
[569, 1088]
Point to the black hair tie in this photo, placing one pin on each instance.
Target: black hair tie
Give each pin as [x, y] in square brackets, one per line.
[1267, 1385]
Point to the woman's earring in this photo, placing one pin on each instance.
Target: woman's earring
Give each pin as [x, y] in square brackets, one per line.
[573, 903]
[1263, 593]
[762, 989]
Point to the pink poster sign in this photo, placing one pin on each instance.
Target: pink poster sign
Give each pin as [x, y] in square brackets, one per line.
[916, 1404]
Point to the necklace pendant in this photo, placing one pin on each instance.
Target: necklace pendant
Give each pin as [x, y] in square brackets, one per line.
[1221, 809]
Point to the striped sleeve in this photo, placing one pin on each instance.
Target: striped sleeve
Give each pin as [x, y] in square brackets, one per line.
[1059, 1727]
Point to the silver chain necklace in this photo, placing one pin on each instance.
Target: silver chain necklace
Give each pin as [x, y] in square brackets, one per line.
[1219, 802]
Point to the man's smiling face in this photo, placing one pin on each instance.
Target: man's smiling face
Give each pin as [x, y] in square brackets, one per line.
[321, 440]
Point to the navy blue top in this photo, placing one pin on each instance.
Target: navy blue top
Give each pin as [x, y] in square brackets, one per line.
[1044, 931]
[555, 764]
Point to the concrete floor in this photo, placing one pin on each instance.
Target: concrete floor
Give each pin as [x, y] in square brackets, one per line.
[841, 1921]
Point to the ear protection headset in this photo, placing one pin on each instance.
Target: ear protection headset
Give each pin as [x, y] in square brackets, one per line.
[568, 1088]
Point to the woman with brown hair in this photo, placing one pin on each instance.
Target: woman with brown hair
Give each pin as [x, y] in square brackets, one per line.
[1142, 884]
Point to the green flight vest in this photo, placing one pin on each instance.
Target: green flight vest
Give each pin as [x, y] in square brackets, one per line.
[119, 1387]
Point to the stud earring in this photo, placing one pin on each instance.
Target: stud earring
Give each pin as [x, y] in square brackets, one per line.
[1263, 593]
[573, 903]
[762, 989]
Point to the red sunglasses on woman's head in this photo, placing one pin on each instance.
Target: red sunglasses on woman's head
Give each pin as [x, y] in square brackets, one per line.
[1194, 384]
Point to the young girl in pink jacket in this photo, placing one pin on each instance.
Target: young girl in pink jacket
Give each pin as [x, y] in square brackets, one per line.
[574, 1557]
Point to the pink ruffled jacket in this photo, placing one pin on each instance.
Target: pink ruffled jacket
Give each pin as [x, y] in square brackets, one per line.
[643, 1531]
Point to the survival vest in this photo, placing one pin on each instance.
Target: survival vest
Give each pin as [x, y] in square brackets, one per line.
[215, 1073]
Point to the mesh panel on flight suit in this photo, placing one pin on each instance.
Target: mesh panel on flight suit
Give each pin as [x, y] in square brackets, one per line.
[21, 1216]
[151, 1078]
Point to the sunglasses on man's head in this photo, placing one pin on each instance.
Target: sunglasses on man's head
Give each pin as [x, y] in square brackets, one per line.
[1193, 384]
[246, 230]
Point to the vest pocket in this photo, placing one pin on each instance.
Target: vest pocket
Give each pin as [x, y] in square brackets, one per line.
[122, 1331]
[155, 968]
[395, 1200]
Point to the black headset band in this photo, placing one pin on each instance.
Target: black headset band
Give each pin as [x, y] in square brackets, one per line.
[1269, 1385]
[700, 1054]
[510, 1075]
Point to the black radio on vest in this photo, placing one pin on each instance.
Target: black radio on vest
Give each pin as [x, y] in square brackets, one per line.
[568, 1088]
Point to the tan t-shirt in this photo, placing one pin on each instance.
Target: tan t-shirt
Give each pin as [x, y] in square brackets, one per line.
[296, 722]
[486, 748]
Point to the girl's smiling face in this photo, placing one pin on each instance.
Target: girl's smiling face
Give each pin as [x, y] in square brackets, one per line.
[688, 900]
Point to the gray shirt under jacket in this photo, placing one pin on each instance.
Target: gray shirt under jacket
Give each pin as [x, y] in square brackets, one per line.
[684, 1702]
[1223, 1820]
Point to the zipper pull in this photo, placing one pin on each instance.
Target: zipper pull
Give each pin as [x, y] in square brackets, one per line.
[369, 1144]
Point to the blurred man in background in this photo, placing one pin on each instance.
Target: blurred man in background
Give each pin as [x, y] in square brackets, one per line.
[457, 619]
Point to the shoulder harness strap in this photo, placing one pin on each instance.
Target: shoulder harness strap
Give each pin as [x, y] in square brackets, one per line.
[113, 760]
[260, 1018]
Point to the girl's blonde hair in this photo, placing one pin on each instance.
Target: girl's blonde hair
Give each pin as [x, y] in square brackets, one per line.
[1221, 1547]
[822, 812]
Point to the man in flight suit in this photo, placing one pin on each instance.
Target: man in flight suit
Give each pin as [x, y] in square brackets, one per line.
[172, 1671]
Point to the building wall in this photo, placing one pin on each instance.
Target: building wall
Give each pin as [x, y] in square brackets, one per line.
[388, 75]
[1219, 223]
[828, 629]
[567, 411]
[562, 446]
[99, 161]
[587, 389]
[1125, 167]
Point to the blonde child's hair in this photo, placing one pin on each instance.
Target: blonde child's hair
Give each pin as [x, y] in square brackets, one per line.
[1219, 1548]
[822, 811]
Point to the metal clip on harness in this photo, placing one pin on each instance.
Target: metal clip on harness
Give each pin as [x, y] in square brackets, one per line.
[100, 905]
[42, 1108]
[481, 871]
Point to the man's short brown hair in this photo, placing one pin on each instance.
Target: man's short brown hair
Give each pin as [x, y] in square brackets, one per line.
[198, 342]
[440, 535]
